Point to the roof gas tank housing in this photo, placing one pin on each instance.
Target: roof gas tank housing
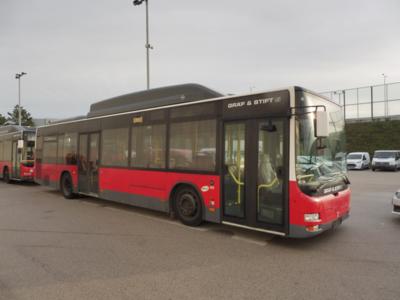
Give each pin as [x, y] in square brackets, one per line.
[157, 97]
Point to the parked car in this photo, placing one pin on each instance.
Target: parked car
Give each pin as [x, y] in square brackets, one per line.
[358, 160]
[396, 203]
[386, 160]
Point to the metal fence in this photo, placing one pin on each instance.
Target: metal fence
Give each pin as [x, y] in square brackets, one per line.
[369, 102]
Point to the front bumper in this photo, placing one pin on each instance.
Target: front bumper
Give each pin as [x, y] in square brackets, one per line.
[396, 205]
[383, 167]
[297, 231]
[354, 167]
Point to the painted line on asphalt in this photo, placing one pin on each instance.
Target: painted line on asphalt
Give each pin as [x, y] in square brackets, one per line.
[159, 220]
[249, 240]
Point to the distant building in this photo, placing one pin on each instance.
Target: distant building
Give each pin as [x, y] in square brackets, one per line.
[42, 122]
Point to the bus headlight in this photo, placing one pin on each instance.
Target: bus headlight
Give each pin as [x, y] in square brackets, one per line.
[311, 217]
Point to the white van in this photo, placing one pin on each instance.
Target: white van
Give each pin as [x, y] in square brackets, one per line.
[358, 160]
[386, 160]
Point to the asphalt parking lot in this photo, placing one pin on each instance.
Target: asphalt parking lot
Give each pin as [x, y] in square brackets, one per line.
[51, 248]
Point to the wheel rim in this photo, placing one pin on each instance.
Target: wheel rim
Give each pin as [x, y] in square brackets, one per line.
[187, 205]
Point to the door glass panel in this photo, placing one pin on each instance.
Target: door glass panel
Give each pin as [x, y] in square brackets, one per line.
[270, 172]
[234, 168]
[94, 161]
[16, 159]
[83, 163]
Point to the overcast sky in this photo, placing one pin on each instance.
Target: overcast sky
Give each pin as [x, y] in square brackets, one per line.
[80, 51]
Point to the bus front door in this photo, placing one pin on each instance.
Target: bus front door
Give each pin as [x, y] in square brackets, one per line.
[88, 164]
[255, 169]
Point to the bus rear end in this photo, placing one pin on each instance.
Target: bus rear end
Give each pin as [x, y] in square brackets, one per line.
[27, 170]
[17, 148]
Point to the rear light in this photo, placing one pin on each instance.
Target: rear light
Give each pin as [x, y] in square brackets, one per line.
[314, 228]
[311, 217]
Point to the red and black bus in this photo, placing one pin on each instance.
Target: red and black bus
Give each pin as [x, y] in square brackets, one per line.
[258, 161]
[17, 146]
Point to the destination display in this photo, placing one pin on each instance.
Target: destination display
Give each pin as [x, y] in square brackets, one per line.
[269, 104]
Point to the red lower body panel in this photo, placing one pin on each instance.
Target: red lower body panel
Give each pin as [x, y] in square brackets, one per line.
[50, 174]
[25, 173]
[330, 208]
[157, 184]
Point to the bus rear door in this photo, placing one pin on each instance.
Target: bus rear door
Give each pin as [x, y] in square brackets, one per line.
[88, 163]
[15, 160]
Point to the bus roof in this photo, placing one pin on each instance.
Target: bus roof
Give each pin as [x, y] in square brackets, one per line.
[15, 128]
[162, 96]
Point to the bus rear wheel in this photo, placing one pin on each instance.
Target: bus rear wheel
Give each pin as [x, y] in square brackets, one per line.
[188, 206]
[6, 176]
[67, 188]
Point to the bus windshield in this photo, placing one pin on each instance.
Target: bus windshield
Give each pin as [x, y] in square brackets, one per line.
[320, 162]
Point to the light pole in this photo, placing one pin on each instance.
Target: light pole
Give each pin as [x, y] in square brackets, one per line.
[147, 46]
[18, 76]
[385, 95]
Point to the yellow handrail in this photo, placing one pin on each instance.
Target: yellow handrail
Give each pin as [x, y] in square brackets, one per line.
[237, 181]
[274, 182]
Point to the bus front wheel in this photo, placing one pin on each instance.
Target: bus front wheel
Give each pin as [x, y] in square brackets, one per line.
[67, 188]
[188, 206]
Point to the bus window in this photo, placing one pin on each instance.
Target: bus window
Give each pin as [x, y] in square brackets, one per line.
[114, 150]
[193, 145]
[148, 146]
[60, 150]
[50, 150]
[70, 148]
[30, 149]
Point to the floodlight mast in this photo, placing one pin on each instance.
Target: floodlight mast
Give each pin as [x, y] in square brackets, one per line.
[18, 76]
[147, 45]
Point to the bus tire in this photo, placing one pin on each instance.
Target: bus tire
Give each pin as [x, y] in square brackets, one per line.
[6, 175]
[188, 206]
[66, 186]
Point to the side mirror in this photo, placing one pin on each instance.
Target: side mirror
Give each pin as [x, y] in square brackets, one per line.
[321, 124]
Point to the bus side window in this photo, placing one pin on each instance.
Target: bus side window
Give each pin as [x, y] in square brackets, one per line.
[114, 150]
[193, 145]
[148, 146]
